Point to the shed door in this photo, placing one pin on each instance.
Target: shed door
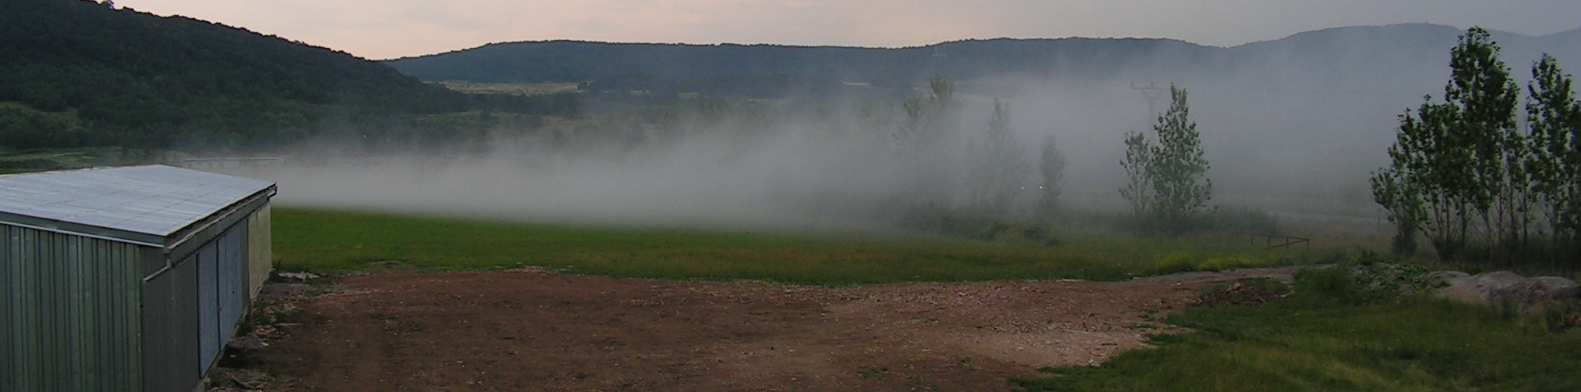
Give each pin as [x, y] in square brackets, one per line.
[208, 305]
[232, 278]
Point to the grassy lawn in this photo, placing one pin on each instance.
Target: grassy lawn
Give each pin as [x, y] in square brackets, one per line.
[341, 241]
[1316, 340]
[1323, 337]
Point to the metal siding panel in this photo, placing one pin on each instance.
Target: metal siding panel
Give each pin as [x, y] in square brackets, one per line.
[12, 348]
[232, 263]
[170, 328]
[29, 325]
[65, 306]
[186, 323]
[79, 286]
[156, 331]
[244, 263]
[208, 306]
[7, 343]
[133, 320]
[259, 250]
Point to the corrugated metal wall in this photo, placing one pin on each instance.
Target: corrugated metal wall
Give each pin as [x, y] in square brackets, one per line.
[71, 307]
[222, 291]
[260, 257]
[208, 306]
[233, 279]
[170, 325]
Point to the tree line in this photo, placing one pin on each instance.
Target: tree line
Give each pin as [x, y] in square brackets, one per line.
[1478, 180]
[78, 73]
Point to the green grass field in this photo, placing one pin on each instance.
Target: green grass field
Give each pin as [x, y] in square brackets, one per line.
[1318, 339]
[1315, 340]
[339, 241]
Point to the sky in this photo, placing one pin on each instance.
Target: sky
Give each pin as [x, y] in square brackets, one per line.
[382, 29]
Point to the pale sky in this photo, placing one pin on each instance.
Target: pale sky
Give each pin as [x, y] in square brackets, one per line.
[381, 29]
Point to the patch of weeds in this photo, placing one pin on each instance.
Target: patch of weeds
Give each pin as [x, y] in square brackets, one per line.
[1245, 291]
[1337, 331]
[1222, 263]
[1174, 264]
[1034, 233]
[1560, 316]
[1162, 339]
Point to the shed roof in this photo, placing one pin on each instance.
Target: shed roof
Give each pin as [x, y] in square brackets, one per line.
[154, 201]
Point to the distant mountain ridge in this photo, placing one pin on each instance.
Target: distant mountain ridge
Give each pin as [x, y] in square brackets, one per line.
[582, 61]
[76, 72]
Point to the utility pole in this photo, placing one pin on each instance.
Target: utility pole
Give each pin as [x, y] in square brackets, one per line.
[1152, 92]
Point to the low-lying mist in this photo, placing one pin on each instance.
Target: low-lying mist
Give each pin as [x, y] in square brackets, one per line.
[1288, 138]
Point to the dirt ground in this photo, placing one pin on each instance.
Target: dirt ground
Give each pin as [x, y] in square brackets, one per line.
[535, 330]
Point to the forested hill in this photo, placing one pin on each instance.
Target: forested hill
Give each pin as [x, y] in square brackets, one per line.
[1340, 53]
[80, 73]
[563, 61]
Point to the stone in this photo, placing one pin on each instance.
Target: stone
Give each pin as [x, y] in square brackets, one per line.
[1505, 289]
[297, 276]
[1475, 290]
[1558, 287]
[1438, 279]
[1539, 291]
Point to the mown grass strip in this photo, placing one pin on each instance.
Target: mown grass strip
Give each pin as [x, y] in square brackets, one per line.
[343, 241]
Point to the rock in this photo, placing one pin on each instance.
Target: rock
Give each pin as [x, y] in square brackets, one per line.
[242, 351]
[246, 343]
[1498, 279]
[297, 276]
[1482, 289]
[1463, 290]
[1439, 279]
[1558, 287]
[1505, 289]
[1535, 293]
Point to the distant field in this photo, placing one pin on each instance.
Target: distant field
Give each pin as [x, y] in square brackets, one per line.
[510, 88]
[340, 241]
[57, 159]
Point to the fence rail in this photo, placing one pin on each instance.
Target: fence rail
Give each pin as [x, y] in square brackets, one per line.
[1274, 241]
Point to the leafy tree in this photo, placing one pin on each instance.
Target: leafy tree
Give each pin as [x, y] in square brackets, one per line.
[999, 165]
[1462, 167]
[1554, 117]
[1178, 171]
[928, 118]
[1052, 169]
[1138, 188]
[920, 139]
[25, 127]
[1481, 88]
[1404, 205]
[1425, 186]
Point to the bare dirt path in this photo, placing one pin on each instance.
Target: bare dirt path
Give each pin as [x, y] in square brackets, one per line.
[534, 330]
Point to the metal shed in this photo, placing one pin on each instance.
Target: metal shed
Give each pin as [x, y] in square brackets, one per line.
[128, 278]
